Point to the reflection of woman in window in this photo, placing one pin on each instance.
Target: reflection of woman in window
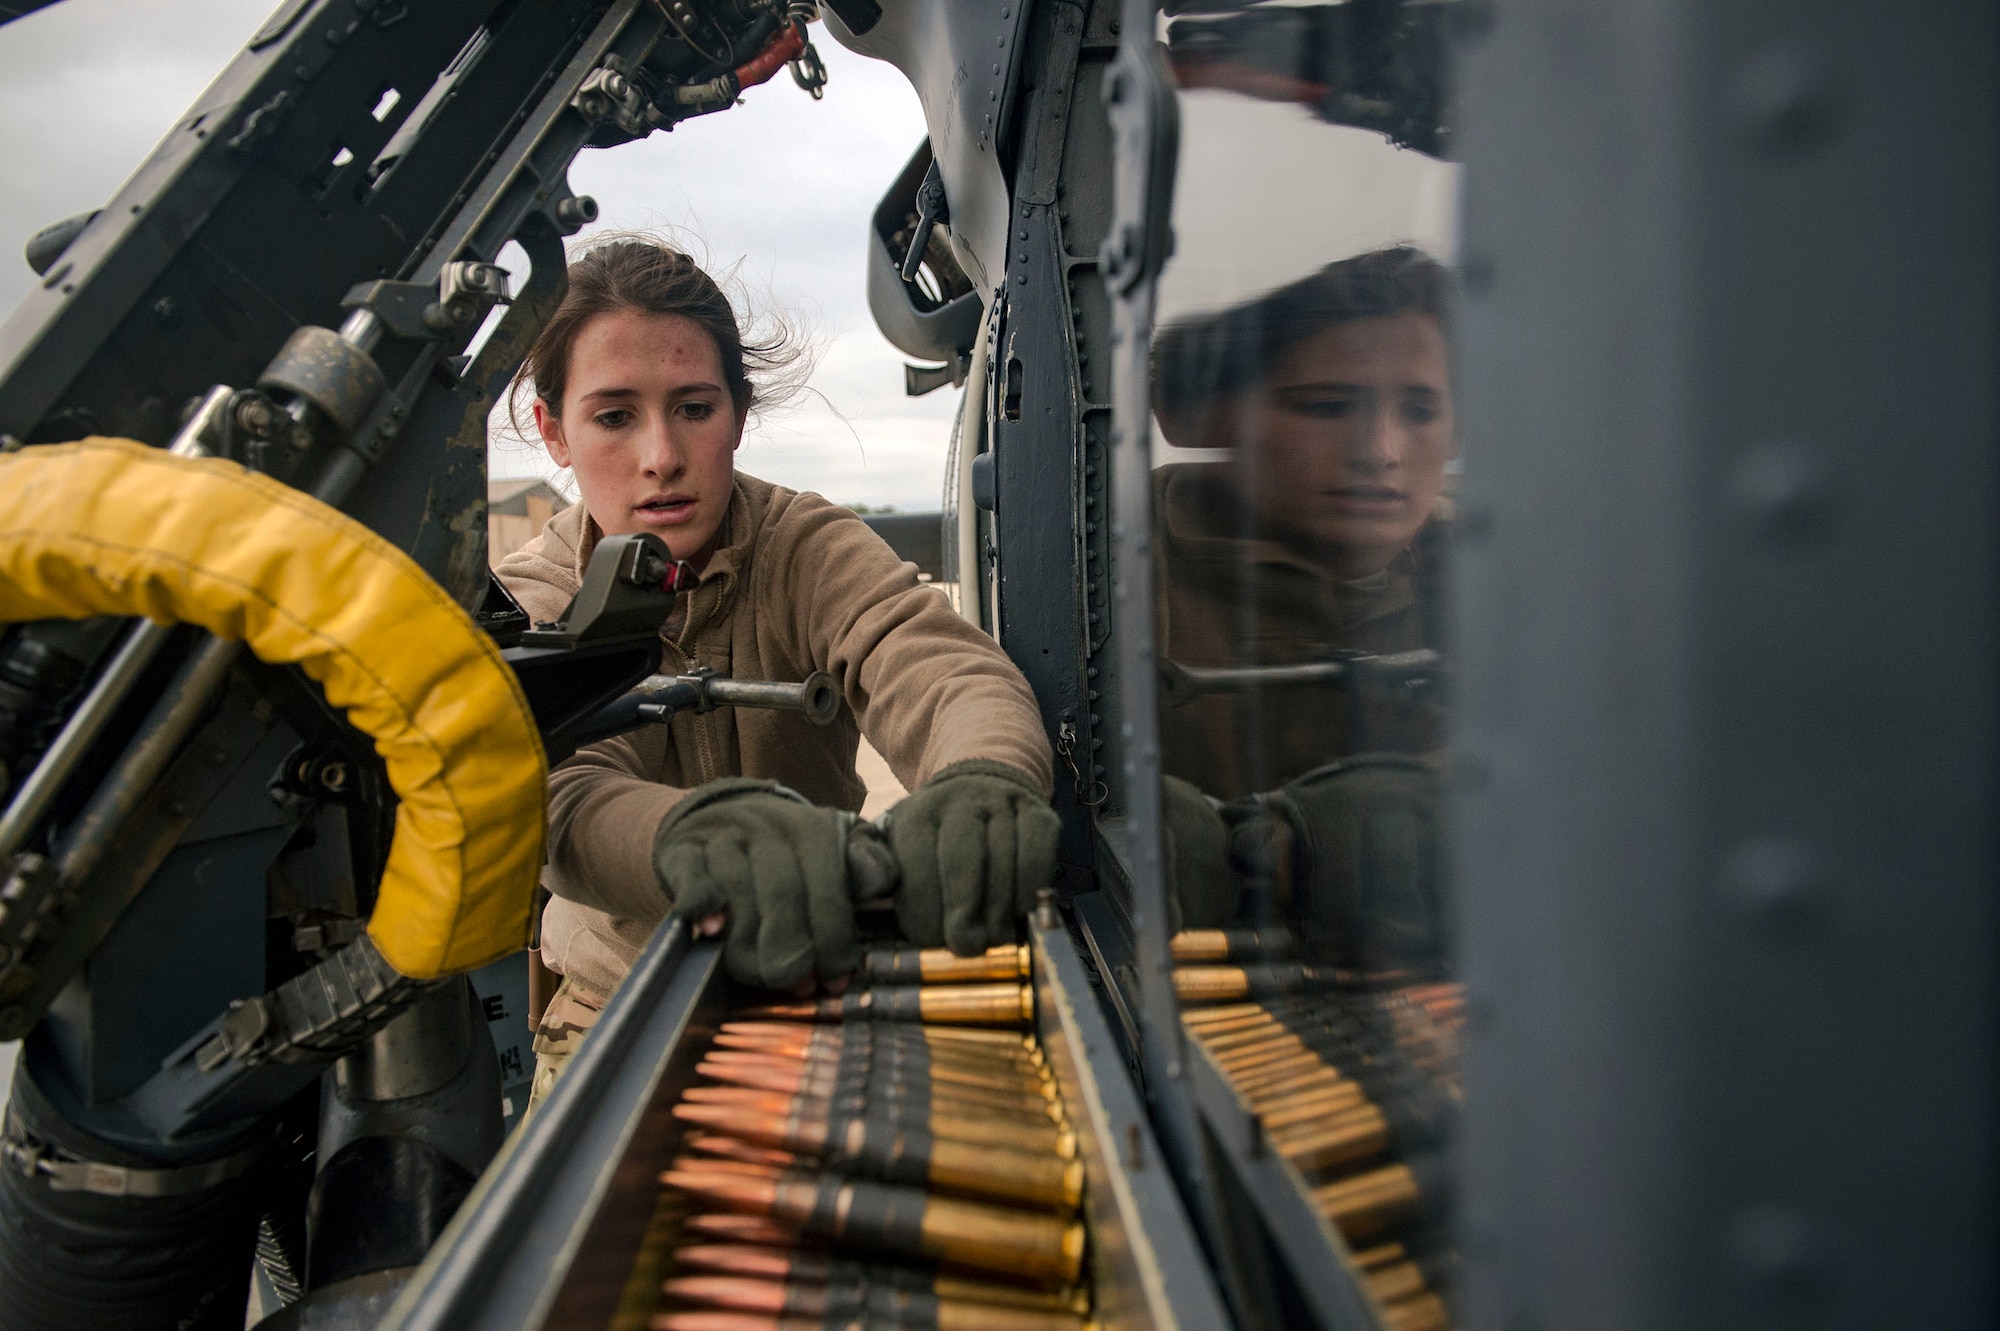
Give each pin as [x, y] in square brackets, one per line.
[1317, 536]
[1332, 400]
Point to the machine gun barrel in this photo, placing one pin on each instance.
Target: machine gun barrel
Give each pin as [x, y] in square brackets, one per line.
[1180, 683]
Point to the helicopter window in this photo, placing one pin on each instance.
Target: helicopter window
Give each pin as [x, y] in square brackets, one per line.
[1304, 455]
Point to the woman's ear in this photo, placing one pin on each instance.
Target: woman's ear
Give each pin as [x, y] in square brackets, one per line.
[550, 426]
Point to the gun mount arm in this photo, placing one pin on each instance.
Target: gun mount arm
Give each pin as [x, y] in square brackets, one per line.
[1183, 683]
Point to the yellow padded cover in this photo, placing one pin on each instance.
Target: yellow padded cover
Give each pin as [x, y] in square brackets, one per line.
[112, 527]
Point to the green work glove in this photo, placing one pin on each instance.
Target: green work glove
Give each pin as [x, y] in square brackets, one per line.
[1366, 859]
[776, 864]
[1196, 844]
[975, 843]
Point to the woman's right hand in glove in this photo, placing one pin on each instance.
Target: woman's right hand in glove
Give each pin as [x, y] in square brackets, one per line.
[776, 865]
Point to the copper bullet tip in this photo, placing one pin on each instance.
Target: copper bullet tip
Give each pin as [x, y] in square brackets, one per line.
[783, 1012]
[741, 1293]
[731, 1190]
[732, 1148]
[751, 1229]
[737, 1259]
[715, 1321]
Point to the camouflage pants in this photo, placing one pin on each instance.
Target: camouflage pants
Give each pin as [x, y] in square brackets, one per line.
[564, 1024]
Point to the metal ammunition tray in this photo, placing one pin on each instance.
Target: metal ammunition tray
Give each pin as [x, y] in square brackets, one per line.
[550, 1236]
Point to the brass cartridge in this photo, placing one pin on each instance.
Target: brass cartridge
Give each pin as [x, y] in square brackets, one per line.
[1214, 945]
[1025, 1244]
[970, 1124]
[937, 965]
[1221, 984]
[833, 1304]
[896, 1153]
[945, 1004]
[1368, 1203]
[820, 1269]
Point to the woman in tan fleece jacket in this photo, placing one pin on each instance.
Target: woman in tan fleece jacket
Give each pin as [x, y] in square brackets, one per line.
[642, 384]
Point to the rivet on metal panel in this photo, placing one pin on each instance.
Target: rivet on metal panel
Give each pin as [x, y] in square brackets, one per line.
[1790, 104]
[1780, 1254]
[1780, 886]
[1782, 490]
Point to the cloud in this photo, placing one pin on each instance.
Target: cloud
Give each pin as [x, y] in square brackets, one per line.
[781, 187]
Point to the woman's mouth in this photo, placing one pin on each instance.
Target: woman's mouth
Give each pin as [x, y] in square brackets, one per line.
[1367, 500]
[666, 511]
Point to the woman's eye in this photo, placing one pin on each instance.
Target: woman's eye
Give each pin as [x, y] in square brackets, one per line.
[698, 411]
[614, 419]
[1324, 407]
[1420, 409]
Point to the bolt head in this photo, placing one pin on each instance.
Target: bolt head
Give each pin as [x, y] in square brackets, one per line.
[1782, 490]
[1791, 105]
[1780, 1254]
[1779, 885]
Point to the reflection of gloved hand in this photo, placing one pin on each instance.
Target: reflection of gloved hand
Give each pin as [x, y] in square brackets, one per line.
[777, 864]
[975, 843]
[1204, 891]
[1366, 857]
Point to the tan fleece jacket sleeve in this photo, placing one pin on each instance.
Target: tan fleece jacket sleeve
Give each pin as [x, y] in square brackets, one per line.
[603, 807]
[928, 689]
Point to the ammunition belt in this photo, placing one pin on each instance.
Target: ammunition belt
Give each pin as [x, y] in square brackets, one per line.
[330, 1008]
[897, 1158]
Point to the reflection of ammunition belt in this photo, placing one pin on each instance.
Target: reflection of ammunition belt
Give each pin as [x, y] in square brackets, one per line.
[1223, 984]
[1208, 946]
[1356, 1091]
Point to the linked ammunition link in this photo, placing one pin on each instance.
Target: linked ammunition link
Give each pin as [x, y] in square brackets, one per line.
[331, 1007]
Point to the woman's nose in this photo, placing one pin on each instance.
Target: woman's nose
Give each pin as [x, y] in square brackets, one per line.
[1377, 445]
[659, 454]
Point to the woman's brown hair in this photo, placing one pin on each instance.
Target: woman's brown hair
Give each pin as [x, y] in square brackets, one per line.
[635, 273]
[1230, 352]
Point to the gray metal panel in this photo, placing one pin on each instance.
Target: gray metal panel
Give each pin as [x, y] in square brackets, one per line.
[1727, 729]
[917, 537]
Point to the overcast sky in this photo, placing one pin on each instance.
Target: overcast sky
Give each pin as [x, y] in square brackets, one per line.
[779, 188]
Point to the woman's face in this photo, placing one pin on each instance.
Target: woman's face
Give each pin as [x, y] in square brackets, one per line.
[648, 427]
[1344, 443]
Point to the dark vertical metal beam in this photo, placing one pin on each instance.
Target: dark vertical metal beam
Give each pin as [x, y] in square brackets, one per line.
[1727, 738]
